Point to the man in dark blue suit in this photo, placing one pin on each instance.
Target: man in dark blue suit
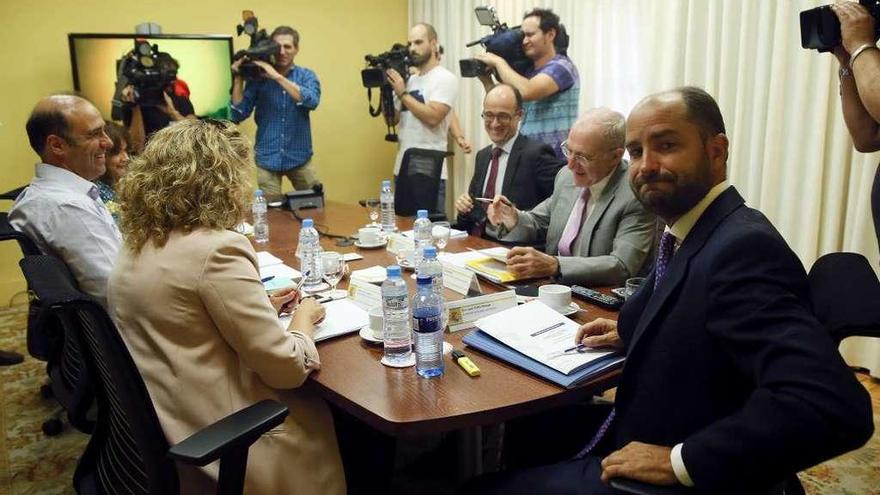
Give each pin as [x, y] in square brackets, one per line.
[730, 385]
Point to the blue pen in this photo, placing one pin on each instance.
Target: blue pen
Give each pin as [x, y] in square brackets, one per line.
[264, 280]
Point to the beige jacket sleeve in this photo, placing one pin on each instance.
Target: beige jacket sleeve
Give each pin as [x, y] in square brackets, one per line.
[231, 291]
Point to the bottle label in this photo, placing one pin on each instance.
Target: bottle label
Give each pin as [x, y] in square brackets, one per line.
[427, 324]
[395, 303]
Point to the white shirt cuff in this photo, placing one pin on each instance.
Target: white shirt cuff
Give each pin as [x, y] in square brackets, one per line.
[679, 468]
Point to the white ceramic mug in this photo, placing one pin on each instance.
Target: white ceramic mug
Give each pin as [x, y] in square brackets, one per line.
[377, 323]
[369, 235]
[556, 296]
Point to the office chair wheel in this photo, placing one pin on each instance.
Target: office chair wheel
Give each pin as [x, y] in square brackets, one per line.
[46, 391]
[52, 427]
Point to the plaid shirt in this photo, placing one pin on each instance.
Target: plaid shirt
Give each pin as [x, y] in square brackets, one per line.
[284, 132]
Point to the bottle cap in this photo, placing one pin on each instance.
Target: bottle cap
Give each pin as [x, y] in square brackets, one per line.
[393, 271]
[386, 183]
[258, 193]
[421, 213]
[430, 252]
[424, 279]
[308, 223]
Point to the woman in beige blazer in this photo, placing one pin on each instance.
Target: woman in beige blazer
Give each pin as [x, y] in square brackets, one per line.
[186, 295]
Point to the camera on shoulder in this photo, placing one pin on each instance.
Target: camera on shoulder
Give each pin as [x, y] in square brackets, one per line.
[148, 70]
[261, 48]
[820, 27]
[374, 76]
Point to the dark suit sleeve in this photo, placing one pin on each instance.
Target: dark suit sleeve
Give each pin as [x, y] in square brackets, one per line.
[465, 221]
[806, 406]
[546, 167]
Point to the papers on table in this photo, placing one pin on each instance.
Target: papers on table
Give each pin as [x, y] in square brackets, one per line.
[343, 316]
[364, 294]
[282, 275]
[488, 263]
[375, 274]
[453, 233]
[541, 333]
[464, 312]
[399, 242]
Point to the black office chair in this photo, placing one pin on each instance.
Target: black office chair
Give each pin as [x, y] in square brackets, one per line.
[128, 451]
[418, 182]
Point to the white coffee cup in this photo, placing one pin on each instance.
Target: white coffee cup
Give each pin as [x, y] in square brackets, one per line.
[369, 235]
[556, 296]
[377, 322]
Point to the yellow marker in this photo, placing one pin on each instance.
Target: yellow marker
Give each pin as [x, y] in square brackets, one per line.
[466, 364]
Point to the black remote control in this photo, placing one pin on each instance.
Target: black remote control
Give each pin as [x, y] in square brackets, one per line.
[596, 297]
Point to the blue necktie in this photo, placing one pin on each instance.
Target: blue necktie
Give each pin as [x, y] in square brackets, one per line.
[664, 256]
[598, 436]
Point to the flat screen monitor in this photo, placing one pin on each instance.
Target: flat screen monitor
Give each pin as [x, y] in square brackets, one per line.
[204, 66]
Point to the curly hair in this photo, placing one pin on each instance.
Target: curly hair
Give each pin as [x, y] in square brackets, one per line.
[192, 174]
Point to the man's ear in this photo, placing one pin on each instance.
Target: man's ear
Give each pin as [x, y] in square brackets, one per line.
[55, 144]
[717, 148]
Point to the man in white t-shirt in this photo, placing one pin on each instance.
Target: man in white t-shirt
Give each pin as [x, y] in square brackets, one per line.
[425, 101]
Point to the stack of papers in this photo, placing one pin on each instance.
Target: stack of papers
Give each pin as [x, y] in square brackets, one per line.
[343, 316]
[453, 233]
[535, 337]
[491, 264]
[282, 275]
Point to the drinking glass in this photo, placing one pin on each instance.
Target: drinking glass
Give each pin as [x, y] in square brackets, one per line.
[334, 269]
[633, 285]
[373, 211]
[440, 231]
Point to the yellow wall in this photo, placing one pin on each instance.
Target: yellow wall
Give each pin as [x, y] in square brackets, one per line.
[350, 153]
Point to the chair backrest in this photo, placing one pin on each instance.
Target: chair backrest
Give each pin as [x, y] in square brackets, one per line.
[418, 181]
[128, 450]
[8, 233]
[846, 295]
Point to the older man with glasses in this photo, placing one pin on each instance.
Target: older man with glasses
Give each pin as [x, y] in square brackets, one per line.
[594, 229]
[521, 168]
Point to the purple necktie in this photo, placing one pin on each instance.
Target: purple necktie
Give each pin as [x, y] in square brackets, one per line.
[598, 436]
[575, 222]
[664, 256]
[479, 227]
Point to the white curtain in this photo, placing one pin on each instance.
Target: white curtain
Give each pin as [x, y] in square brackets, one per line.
[791, 156]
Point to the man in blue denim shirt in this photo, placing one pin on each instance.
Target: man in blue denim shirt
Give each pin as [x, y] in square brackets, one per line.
[283, 100]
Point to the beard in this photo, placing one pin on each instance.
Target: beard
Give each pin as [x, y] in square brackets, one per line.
[419, 60]
[686, 192]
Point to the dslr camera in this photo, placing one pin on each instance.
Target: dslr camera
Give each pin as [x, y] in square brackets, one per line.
[261, 48]
[148, 70]
[374, 76]
[820, 27]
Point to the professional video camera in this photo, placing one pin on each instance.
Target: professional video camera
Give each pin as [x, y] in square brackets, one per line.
[374, 76]
[820, 27]
[148, 70]
[261, 48]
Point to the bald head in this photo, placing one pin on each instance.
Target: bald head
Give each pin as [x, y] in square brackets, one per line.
[600, 123]
[504, 94]
[595, 145]
[50, 116]
[696, 105]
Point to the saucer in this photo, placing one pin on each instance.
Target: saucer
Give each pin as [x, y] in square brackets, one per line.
[366, 333]
[406, 364]
[370, 246]
[406, 265]
[570, 310]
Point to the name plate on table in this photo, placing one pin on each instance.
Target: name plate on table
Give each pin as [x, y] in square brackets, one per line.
[397, 242]
[459, 279]
[364, 294]
[464, 312]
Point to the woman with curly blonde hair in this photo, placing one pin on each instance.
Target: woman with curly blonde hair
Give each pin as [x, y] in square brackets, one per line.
[186, 295]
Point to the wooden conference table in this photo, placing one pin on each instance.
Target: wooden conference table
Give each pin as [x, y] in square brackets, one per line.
[397, 401]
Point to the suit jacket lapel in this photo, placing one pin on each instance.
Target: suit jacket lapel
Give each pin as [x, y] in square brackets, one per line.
[481, 168]
[723, 206]
[586, 235]
[512, 165]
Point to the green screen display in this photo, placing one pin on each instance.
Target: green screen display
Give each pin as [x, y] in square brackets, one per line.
[204, 66]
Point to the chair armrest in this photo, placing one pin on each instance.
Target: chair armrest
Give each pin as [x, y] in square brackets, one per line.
[626, 485]
[240, 429]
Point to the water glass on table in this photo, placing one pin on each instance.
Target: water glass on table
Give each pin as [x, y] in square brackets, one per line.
[440, 232]
[632, 286]
[334, 269]
[373, 211]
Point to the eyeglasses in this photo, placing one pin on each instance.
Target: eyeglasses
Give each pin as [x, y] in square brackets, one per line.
[502, 118]
[579, 158]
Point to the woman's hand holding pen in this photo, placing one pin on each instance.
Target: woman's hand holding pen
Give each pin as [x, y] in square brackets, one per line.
[600, 332]
[284, 300]
[306, 315]
[502, 211]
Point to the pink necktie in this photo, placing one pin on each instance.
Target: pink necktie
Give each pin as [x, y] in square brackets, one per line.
[575, 222]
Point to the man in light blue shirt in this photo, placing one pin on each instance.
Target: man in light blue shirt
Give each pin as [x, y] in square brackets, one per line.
[283, 100]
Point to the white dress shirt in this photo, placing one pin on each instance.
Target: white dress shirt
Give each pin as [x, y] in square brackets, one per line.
[63, 214]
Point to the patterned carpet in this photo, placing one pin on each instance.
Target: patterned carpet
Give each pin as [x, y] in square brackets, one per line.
[31, 463]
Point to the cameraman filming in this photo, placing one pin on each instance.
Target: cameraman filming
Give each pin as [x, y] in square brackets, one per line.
[550, 89]
[426, 101]
[284, 98]
[860, 98]
[141, 121]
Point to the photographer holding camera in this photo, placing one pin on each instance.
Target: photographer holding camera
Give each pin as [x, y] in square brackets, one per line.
[860, 98]
[284, 99]
[550, 89]
[142, 120]
[425, 99]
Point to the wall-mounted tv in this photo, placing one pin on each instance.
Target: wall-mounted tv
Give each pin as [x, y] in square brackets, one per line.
[204, 66]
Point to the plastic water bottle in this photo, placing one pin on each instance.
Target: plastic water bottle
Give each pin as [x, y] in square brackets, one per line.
[428, 329]
[431, 267]
[397, 331]
[386, 205]
[310, 255]
[261, 225]
[422, 234]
